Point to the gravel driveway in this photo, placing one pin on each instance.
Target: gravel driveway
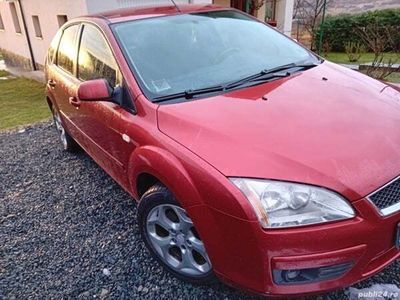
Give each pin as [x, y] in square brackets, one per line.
[67, 230]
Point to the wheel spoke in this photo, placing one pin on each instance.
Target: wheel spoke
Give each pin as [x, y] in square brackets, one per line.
[158, 217]
[162, 244]
[161, 241]
[187, 261]
[185, 223]
[198, 246]
[203, 268]
[153, 216]
[164, 221]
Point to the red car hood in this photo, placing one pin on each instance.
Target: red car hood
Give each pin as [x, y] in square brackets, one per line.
[328, 126]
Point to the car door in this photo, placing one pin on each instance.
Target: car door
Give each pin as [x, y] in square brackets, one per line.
[62, 80]
[99, 121]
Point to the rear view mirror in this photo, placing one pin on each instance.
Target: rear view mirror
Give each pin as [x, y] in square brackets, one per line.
[95, 90]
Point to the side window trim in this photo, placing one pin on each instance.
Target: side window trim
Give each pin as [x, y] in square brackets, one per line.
[78, 52]
[78, 49]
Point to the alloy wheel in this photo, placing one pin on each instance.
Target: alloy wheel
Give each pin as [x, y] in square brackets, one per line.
[172, 234]
[60, 129]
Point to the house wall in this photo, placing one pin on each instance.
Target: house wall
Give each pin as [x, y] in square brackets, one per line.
[226, 3]
[47, 12]
[14, 46]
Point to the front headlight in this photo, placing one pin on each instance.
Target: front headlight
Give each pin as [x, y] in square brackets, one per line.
[284, 204]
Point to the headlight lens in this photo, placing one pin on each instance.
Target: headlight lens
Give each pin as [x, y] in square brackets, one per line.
[283, 204]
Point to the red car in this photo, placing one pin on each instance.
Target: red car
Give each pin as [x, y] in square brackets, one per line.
[252, 159]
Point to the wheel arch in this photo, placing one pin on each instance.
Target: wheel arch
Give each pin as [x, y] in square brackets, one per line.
[151, 164]
[144, 182]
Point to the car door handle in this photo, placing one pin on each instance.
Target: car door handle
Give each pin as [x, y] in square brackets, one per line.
[74, 101]
[51, 83]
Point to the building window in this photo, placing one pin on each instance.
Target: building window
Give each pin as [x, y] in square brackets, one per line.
[15, 18]
[1, 23]
[62, 19]
[36, 26]
[270, 10]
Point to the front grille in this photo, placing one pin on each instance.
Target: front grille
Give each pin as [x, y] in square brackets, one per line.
[387, 197]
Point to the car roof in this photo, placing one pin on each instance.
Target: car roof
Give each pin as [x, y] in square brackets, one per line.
[134, 13]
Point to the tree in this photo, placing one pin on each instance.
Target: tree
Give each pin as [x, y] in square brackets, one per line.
[380, 39]
[309, 13]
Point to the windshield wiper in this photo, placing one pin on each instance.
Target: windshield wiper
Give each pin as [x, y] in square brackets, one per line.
[189, 94]
[263, 75]
[269, 74]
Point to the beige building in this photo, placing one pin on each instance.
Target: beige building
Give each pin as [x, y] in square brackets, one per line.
[278, 13]
[27, 26]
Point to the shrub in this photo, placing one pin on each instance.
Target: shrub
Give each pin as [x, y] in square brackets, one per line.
[354, 50]
[339, 30]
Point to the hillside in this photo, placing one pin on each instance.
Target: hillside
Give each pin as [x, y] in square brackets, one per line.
[358, 6]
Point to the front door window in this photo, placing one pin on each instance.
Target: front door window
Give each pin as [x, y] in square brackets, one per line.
[95, 59]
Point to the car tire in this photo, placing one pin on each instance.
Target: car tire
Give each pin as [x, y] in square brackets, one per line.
[171, 237]
[67, 141]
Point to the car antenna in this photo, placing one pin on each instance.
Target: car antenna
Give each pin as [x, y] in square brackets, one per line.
[176, 6]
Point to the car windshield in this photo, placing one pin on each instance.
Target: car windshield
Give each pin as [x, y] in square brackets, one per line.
[184, 52]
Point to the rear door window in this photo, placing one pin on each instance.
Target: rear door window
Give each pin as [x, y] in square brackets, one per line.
[95, 60]
[53, 47]
[67, 49]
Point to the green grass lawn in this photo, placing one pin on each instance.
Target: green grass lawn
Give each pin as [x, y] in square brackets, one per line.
[22, 102]
[3, 73]
[342, 58]
[394, 77]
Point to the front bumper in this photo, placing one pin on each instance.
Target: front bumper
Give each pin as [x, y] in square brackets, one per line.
[245, 255]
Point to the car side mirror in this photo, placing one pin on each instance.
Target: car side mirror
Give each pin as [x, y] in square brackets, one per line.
[95, 90]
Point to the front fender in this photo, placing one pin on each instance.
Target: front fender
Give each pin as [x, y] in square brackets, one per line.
[165, 167]
[218, 213]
